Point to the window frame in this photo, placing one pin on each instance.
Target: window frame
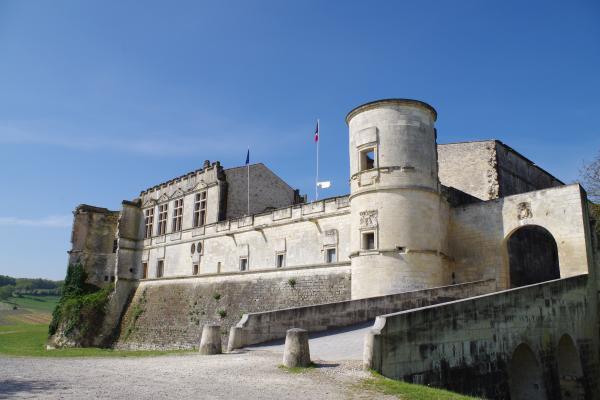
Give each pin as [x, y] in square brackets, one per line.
[246, 265]
[160, 268]
[196, 268]
[148, 222]
[200, 206]
[280, 256]
[177, 219]
[362, 157]
[163, 211]
[329, 249]
[144, 269]
[363, 243]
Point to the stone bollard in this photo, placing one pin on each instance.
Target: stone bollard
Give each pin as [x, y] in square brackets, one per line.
[236, 339]
[296, 352]
[211, 340]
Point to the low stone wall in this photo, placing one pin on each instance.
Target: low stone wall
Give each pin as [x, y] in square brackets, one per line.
[264, 326]
[468, 345]
[170, 313]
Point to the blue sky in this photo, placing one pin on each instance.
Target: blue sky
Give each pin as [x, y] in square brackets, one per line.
[99, 100]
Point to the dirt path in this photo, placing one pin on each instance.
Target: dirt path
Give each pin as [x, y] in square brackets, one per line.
[249, 375]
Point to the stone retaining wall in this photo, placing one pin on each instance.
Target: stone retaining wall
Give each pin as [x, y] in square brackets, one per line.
[170, 313]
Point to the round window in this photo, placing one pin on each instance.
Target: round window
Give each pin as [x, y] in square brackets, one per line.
[199, 247]
[193, 248]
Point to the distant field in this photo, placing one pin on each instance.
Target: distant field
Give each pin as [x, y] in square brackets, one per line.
[23, 332]
[29, 310]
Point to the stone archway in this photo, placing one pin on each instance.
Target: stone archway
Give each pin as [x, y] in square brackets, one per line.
[525, 374]
[532, 256]
[569, 370]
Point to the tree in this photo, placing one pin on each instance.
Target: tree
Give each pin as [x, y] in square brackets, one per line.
[6, 292]
[590, 177]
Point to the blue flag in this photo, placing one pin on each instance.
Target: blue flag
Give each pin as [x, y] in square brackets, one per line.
[248, 157]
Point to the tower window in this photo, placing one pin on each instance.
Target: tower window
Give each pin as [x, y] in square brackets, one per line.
[162, 218]
[200, 209]
[280, 260]
[195, 269]
[367, 159]
[177, 215]
[243, 263]
[144, 270]
[368, 241]
[330, 255]
[148, 222]
[160, 268]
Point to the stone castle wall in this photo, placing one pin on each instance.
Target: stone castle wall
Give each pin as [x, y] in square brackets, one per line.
[170, 313]
[478, 232]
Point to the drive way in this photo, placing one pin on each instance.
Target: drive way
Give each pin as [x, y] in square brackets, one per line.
[333, 345]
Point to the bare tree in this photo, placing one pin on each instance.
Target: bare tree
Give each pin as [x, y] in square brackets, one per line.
[590, 176]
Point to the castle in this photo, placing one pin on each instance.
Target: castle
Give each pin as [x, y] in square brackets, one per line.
[476, 217]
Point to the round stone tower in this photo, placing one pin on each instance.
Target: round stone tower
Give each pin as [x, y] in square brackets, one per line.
[398, 218]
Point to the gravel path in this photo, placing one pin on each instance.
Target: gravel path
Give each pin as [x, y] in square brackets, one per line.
[246, 375]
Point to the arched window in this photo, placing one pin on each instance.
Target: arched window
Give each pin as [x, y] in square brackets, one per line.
[532, 256]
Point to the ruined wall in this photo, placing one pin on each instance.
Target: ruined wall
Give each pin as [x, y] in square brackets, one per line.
[517, 174]
[93, 242]
[467, 345]
[302, 232]
[267, 191]
[490, 169]
[470, 167]
[478, 232]
[170, 313]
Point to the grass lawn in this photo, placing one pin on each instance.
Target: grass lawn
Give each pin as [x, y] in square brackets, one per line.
[407, 391]
[23, 332]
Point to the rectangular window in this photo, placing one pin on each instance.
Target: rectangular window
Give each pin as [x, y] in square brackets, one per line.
[148, 222]
[280, 260]
[177, 215]
[144, 270]
[368, 240]
[243, 263]
[367, 159]
[196, 269]
[160, 268]
[162, 218]
[200, 209]
[330, 255]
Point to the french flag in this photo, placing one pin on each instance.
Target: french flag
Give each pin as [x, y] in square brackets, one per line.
[317, 132]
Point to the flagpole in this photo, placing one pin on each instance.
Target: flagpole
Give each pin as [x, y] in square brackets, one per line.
[248, 180]
[317, 179]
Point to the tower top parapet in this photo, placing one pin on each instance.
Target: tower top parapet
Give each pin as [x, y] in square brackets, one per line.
[382, 102]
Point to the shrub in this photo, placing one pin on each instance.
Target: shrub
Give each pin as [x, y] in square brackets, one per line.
[222, 313]
[217, 296]
[81, 307]
[292, 282]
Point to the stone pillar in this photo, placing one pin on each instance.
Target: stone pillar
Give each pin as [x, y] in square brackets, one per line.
[211, 340]
[296, 352]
